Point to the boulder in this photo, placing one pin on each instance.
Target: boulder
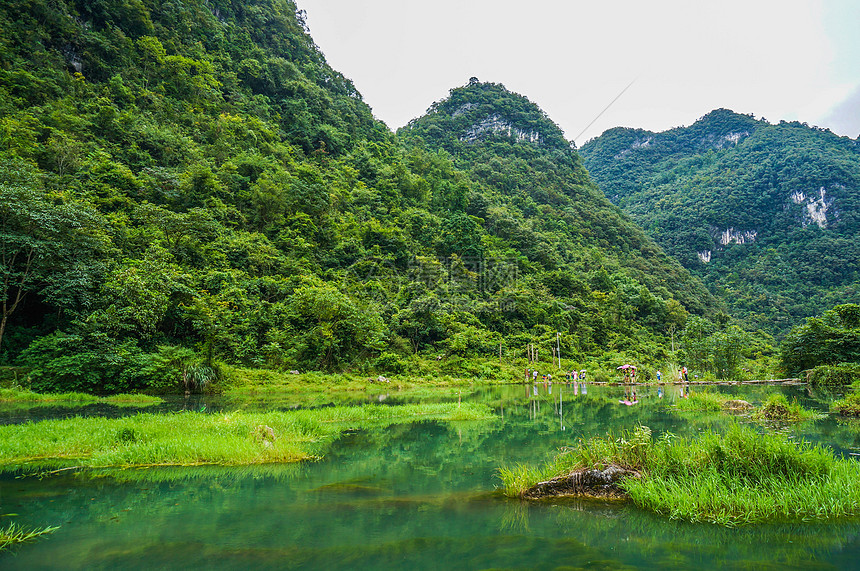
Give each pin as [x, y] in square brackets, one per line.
[587, 482]
[737, 405]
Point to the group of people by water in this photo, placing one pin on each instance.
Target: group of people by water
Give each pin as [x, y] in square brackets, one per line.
[532, 375]
[629, 377]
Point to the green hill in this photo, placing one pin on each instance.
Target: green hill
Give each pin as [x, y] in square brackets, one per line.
[766, 215]
[183, 184]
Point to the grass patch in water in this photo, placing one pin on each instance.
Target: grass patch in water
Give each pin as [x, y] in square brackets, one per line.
[26, 396]
[193, 438]
[15, 534]
[740, 478]
[850, 404]
[704, 400]
[17, 395]
[777, 407]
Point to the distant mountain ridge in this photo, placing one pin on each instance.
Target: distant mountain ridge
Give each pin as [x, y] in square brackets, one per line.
[766, 214]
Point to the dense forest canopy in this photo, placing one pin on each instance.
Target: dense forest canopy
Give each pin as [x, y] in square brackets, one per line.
[183, 184]
[766, 215]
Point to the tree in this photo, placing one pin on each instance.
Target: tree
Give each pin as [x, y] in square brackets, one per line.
[728, 350]
[697, 343]
[49, 245]
[833, 338]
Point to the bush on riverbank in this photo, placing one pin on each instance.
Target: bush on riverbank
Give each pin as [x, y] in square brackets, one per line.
[835, 375]
[740, 478]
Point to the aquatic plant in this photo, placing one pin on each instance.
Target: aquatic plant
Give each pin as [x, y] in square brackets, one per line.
[25, 395]
[17, 395]
[702, 400]
[850, 405]
[738, 478]
[15, 534]
[193, 438]
[777, 407]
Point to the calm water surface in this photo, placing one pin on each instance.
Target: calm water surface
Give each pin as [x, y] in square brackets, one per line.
[415, 496]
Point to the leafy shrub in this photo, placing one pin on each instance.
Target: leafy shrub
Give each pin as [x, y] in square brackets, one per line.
[173, 368]
[601, 377]
[390, 363]
[841, 374]
[91, 363]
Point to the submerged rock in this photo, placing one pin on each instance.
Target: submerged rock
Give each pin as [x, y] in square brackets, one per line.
[737, 405]
[587, 482]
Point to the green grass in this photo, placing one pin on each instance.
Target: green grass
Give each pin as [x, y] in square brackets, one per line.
[850, 405]
[740, 478]
[28, 397]
[192, 438]
[702, 400]
[777, 407]
[18, 395]
[124, 399]
[15, 534]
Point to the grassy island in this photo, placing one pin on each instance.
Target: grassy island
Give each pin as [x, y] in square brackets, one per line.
[26, 397]
[777, 408]
[850, 404]
[738, 478]
[193, 438]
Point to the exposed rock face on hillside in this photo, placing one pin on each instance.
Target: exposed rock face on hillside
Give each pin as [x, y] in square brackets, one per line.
[768, 214]
[496, 124]
[817, 205]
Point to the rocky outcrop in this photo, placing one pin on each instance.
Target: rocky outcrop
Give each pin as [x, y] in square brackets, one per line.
[817, 206]
[496, 124]
[732, 236]
[586, 482]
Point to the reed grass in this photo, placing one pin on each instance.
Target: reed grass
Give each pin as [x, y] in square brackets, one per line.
[15, 534]
[194, 438]
[740, 478]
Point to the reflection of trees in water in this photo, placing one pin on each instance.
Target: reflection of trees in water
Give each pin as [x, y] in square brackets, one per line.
[392, 495]
[642, 533]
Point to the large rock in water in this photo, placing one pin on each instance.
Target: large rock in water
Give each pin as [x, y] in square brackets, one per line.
[586, 482]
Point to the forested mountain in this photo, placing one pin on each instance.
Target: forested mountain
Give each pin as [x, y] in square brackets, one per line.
[188, 183]
[767, 215]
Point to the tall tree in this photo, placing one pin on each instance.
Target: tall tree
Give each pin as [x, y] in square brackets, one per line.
[50, 246]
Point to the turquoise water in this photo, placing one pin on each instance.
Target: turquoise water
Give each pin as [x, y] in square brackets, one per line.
[415, 496]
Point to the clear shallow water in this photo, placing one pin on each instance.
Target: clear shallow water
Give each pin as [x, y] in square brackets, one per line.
[416, 496]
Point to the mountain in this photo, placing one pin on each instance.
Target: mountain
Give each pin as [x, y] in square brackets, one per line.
[532, 193]
[188, 184]
[766, 215]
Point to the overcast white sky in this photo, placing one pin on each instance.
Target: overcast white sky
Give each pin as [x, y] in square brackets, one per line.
[778, 59]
